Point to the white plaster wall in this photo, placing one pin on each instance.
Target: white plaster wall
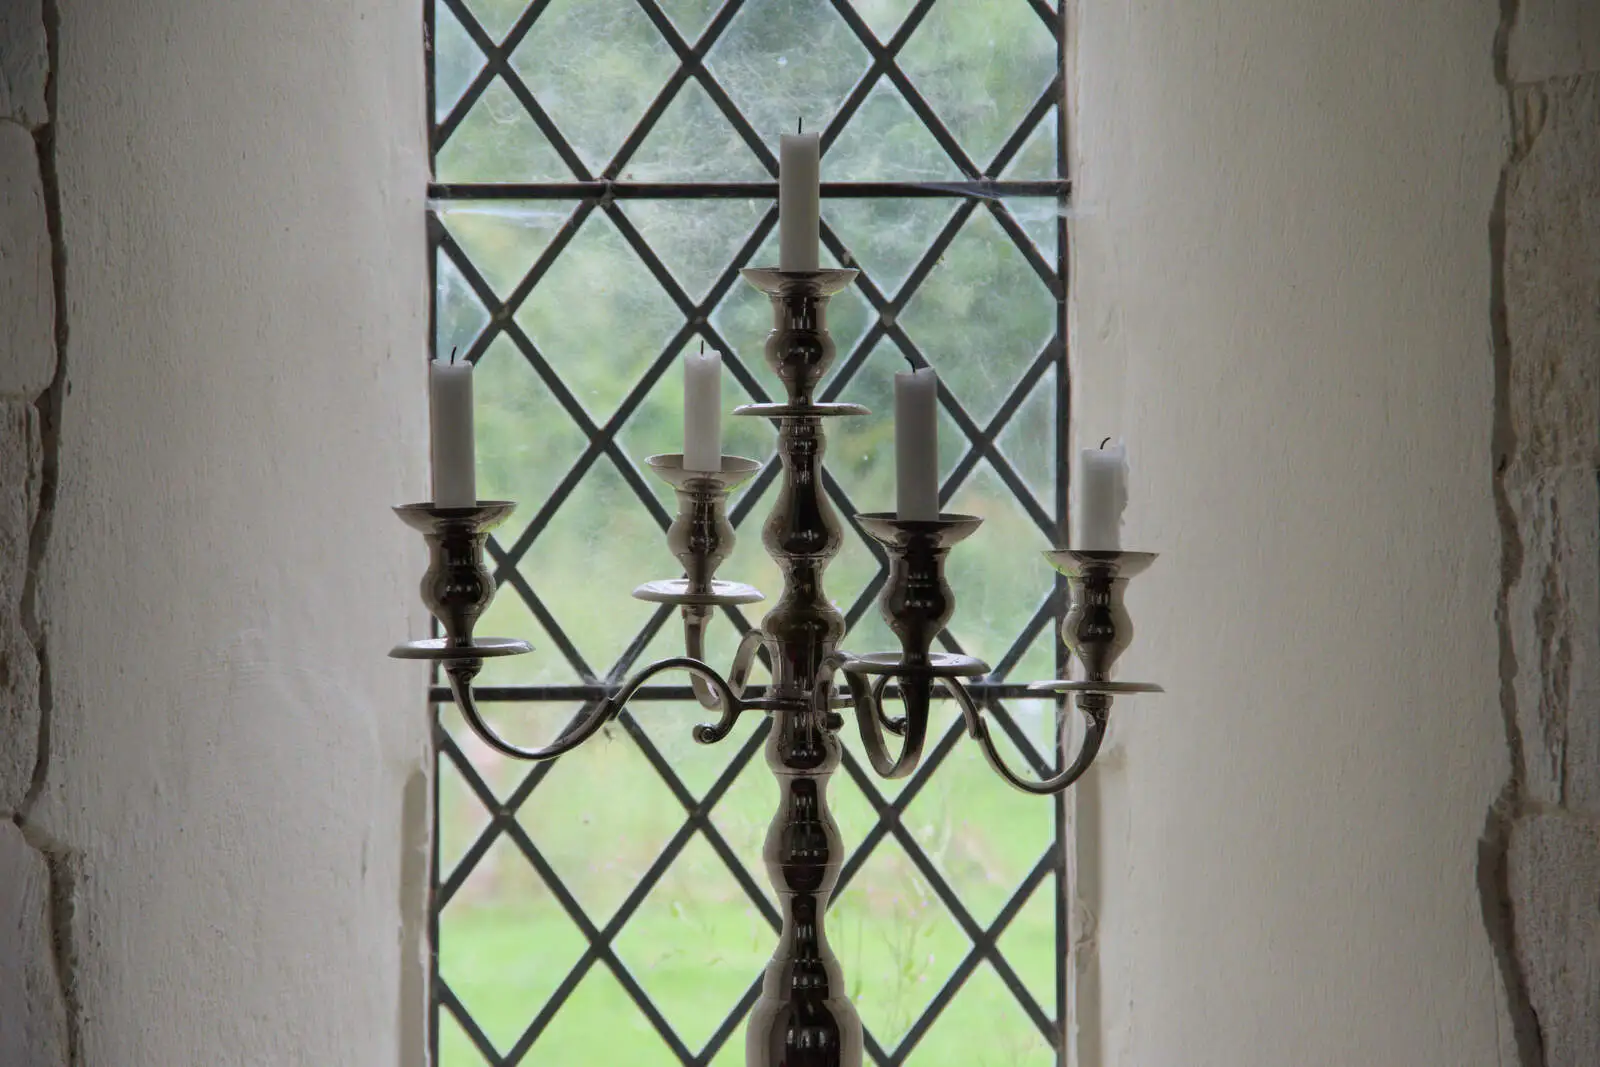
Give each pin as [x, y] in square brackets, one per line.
[241, 188]
[1283, 291]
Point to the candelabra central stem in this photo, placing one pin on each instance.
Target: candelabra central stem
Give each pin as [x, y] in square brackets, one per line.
[803, 1018]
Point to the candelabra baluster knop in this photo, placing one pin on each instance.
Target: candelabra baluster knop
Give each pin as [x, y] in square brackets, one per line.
[803, 1017]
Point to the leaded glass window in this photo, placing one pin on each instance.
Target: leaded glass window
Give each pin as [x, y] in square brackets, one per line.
[602, 170]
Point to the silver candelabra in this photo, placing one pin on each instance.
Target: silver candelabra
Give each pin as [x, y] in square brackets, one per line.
[803, 1018]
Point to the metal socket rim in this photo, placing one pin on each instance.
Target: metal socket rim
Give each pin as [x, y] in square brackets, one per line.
[1106, 688]
[1072, 562]
[938, 665]
[669, 467]
[439, 648]
[427, 517]
[890, 530]
[677, 591]
[824, 282]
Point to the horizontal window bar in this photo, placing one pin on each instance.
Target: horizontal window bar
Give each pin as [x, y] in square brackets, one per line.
[984, 189]
[509, 694]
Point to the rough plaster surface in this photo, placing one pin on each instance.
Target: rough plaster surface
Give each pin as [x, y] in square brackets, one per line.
[19, 667]
[24, 62]
[33, 1015]
[1554, 884]
[35, 972]
[1282, 280]
[232, 758]
[1548, 476]
[1553, 39]
[27, 311]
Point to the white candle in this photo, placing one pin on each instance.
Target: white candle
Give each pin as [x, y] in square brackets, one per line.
[799, 167]
[1102, 494]
[455, 483]
[916, 445]
[702, 411]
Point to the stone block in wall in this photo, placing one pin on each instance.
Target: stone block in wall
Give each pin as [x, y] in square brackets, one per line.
[24, 62]
[1554, 39]
[1553, 871]
[33, 1016]
[1552, 278]
[1553, 618]
[19, 669]
[27, 292]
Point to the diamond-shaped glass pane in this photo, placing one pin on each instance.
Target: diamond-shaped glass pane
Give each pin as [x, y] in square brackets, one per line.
[462, 818]
[462, 315]
[521, 723]
[982, 64]
[697, 242]
[575, 564]
[896, 941]
[601, 1024]
[996, 597]
[786, 62]
[742, 817]
[510, 615]
[1038, 158]
[505, 944]
[1029, 944]
[498, 141]
[456, 60]
[886, 141]
[979, 341]
[601, 817]
[983, 840]
[594, 66]
[694, 141]
[503, 238]
[1028, 441]
[455, 1047]
[732, 1053]
[508, 397]
[690, 16]
[696, 943]
[883, 17]
[599, 317]
[985, 1027]
[495, 16]
[887, 238]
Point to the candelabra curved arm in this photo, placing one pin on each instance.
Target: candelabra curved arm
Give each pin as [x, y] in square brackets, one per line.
[866, 696]
[1096, 708]
[461, 673]
[695, 621]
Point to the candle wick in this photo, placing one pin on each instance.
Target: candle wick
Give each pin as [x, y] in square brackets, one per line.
[909, 361]
[702, 346]
[453, 356]
[800, 125]
[1105, 442]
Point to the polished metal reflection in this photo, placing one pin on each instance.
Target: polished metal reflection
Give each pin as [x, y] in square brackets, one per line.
[803, 1017]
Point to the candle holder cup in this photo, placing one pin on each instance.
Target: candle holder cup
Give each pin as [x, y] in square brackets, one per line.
[457, 587]
[916, 602]
[1097, 628]
[701, 538]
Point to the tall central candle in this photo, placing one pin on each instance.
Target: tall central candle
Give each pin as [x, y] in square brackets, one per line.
[799, 210]
[916, 445]
[702, 411]
[455, 482]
